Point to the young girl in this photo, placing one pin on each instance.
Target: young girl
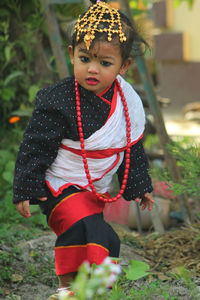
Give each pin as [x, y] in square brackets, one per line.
[83, 130]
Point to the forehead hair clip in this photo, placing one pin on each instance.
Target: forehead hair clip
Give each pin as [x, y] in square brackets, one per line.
[100, 17]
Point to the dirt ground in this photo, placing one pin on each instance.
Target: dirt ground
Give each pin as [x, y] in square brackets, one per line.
[43, 247]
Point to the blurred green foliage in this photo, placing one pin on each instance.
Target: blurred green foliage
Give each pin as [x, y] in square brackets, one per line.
[22, 32]
[189, 2]
[20, 25]
[23, 41]
[187, 155]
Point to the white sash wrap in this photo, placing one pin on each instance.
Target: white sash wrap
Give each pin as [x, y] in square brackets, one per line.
[68, 167]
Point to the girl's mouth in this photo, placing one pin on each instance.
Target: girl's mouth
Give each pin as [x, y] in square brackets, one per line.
[92, 81]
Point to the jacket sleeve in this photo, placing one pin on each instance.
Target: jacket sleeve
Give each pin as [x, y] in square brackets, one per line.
[139, 181]
[38, 150]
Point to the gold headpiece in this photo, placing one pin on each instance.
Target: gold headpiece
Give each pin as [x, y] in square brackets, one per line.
[94, 20]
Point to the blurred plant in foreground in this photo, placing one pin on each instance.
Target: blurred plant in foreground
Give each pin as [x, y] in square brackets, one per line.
[187, 155]
[93, 282]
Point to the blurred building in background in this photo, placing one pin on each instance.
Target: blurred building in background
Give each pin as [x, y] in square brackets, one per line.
[177, 51]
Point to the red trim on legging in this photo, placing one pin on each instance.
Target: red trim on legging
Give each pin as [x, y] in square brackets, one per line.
[76, 206]
[69, 258]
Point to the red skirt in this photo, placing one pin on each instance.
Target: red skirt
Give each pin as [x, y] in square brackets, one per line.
[82, 234]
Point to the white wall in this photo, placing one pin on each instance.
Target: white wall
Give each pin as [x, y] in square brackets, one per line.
[187, 20]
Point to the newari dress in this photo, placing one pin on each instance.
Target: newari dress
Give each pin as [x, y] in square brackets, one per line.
[49, 163]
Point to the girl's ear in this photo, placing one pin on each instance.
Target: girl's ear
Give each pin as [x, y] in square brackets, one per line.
[125, 66]
[71, 54]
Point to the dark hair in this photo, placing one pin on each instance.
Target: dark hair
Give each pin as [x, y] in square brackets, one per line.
[133, 39]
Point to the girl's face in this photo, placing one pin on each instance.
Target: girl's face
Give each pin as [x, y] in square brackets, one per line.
[95, 69]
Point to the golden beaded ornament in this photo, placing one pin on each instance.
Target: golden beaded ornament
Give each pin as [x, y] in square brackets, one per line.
[100, 17]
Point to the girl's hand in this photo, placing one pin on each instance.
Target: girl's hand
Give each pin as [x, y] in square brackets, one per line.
[146, 201]
[23, 207]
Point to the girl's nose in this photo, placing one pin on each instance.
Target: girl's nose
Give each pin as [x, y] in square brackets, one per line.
[93, 68]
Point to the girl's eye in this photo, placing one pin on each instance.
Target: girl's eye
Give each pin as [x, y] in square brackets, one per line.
[84, 59]
[105, 63]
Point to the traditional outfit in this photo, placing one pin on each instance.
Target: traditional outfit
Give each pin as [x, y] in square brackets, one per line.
[50, 164]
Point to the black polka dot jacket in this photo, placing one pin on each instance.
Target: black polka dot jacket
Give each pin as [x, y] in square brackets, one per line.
[53, 119]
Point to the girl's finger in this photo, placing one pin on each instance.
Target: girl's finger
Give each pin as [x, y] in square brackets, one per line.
[144, 206]
[150, 199]
[26, 209]
[19, 207]
[150, 205]
[142, 202]
[23, 208]
[42, 199]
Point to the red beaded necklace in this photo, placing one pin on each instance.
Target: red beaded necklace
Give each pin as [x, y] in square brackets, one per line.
[83, 151]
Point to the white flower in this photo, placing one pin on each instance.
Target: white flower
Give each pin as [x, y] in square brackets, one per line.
[111, 280]
[107, 261]
[100, 290]
[99, 271]
[115, 268]
[63, 295]
[87, 266]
